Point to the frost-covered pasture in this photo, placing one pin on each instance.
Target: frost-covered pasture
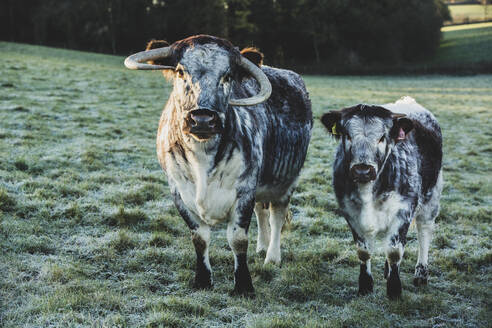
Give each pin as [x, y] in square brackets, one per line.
[90, 237]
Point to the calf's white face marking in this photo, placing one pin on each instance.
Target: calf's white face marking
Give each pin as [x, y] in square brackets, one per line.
[366, 141]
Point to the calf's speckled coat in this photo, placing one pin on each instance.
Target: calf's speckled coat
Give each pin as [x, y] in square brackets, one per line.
[387, 171]
[250, 162]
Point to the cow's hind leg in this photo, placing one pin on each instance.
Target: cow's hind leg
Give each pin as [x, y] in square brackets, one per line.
[278, 213]
[201, 241]
[425, 228]
[262, 215]
[424, 233]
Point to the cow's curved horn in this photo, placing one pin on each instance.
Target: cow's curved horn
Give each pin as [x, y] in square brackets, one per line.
[265, 86]
[136, 61]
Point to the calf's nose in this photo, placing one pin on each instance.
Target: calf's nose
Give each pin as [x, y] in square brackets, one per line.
[363, 173]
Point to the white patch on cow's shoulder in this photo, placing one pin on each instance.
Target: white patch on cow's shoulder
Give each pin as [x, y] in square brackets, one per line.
[373, 217]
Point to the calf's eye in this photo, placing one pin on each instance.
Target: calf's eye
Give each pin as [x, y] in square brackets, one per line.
[180, 72]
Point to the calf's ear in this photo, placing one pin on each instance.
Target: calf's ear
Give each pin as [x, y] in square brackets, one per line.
[331, 121]
[401, 127]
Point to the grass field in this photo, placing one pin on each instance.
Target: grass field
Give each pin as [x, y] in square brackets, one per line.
[465, 46]
[90, 237]
[469, 13]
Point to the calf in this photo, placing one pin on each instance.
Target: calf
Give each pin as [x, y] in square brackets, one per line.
[223, 160]
[387, 171]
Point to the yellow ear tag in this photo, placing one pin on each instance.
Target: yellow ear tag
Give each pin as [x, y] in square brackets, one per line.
[334, 129]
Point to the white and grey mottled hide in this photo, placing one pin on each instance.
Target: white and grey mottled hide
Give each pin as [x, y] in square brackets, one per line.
[256, 157]
[260, 151]
[407, 183]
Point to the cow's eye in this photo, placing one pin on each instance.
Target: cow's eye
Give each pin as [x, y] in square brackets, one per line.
[382, 139]
[180, 72]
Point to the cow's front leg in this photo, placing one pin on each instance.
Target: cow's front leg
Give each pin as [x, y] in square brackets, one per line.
[366, 281]
[201, 241]
[200, 235]
[394, 255]
[237, 235]
[278, 212]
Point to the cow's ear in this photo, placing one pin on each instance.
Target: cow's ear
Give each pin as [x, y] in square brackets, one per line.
[153, 44]
[331, 121]
[253, 55]
[402, 126]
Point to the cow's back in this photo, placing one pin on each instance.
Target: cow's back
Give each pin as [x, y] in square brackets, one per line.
[427, 136]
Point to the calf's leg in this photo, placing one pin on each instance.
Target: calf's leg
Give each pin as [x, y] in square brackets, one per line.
[425, 227]
[394, 255]
[278, 213]
[366, 282]
[262, 215]
[424, 233]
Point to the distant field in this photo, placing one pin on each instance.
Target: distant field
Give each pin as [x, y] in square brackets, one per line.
[464, 47]
[90, 237]
[469, 13]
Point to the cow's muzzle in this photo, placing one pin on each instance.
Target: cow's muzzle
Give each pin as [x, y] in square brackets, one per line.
[363, 173]
[202, 123]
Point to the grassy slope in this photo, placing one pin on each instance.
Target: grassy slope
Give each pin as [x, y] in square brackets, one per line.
[465, 46]
[469, 13]
[90, 237]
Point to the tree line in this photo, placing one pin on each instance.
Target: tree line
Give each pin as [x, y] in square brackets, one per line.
[289, 32]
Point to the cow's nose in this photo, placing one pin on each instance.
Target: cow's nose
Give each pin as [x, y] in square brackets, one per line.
[363, 172]
[202, 120]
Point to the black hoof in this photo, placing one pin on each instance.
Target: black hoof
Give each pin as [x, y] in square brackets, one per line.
[365, 290]
[419, 281]
[366, 282]
[243, 285]
[262, 253]
[421, 275]
[243, 292]
[393, 284]
[202, 283]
